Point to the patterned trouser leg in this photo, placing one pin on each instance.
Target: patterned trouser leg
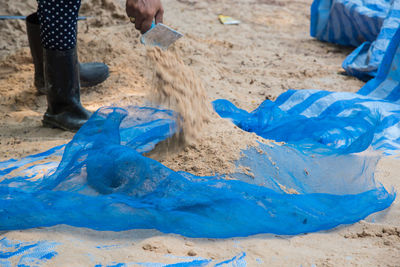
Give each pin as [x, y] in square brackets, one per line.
[58, 19]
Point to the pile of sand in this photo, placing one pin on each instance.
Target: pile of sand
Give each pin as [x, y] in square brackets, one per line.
[215, 152]
[205, 143]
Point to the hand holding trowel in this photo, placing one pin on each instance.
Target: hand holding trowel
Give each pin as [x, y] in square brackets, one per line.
[143, 13]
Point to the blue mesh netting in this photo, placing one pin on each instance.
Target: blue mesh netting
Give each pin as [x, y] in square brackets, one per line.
[103, 182]
[314, 182]
[332, 122]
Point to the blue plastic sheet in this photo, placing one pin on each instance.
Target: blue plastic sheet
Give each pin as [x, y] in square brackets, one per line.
[368, 24]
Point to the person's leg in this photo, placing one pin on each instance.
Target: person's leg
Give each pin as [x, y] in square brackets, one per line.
[61, 74]
[61, 71]
[58, 19]
[56, 28]
[35, 44]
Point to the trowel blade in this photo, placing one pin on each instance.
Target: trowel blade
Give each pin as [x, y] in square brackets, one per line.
[160, 35]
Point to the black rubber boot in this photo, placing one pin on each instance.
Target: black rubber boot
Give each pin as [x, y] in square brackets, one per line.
[33, 30]
[61, 75]
[91, 74]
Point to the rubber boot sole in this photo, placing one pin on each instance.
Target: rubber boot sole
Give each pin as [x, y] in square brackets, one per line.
[55, 125]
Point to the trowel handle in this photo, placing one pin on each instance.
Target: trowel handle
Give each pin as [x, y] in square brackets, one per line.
[153, 24]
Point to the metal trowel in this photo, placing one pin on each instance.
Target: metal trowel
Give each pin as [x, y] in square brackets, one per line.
[160, 35]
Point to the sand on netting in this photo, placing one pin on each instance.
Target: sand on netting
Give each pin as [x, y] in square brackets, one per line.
[206, 144]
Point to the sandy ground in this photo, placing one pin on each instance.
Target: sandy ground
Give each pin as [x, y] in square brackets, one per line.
[269, 52]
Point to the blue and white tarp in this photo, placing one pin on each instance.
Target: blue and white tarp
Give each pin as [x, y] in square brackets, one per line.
[332, 122]
[367, 24]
